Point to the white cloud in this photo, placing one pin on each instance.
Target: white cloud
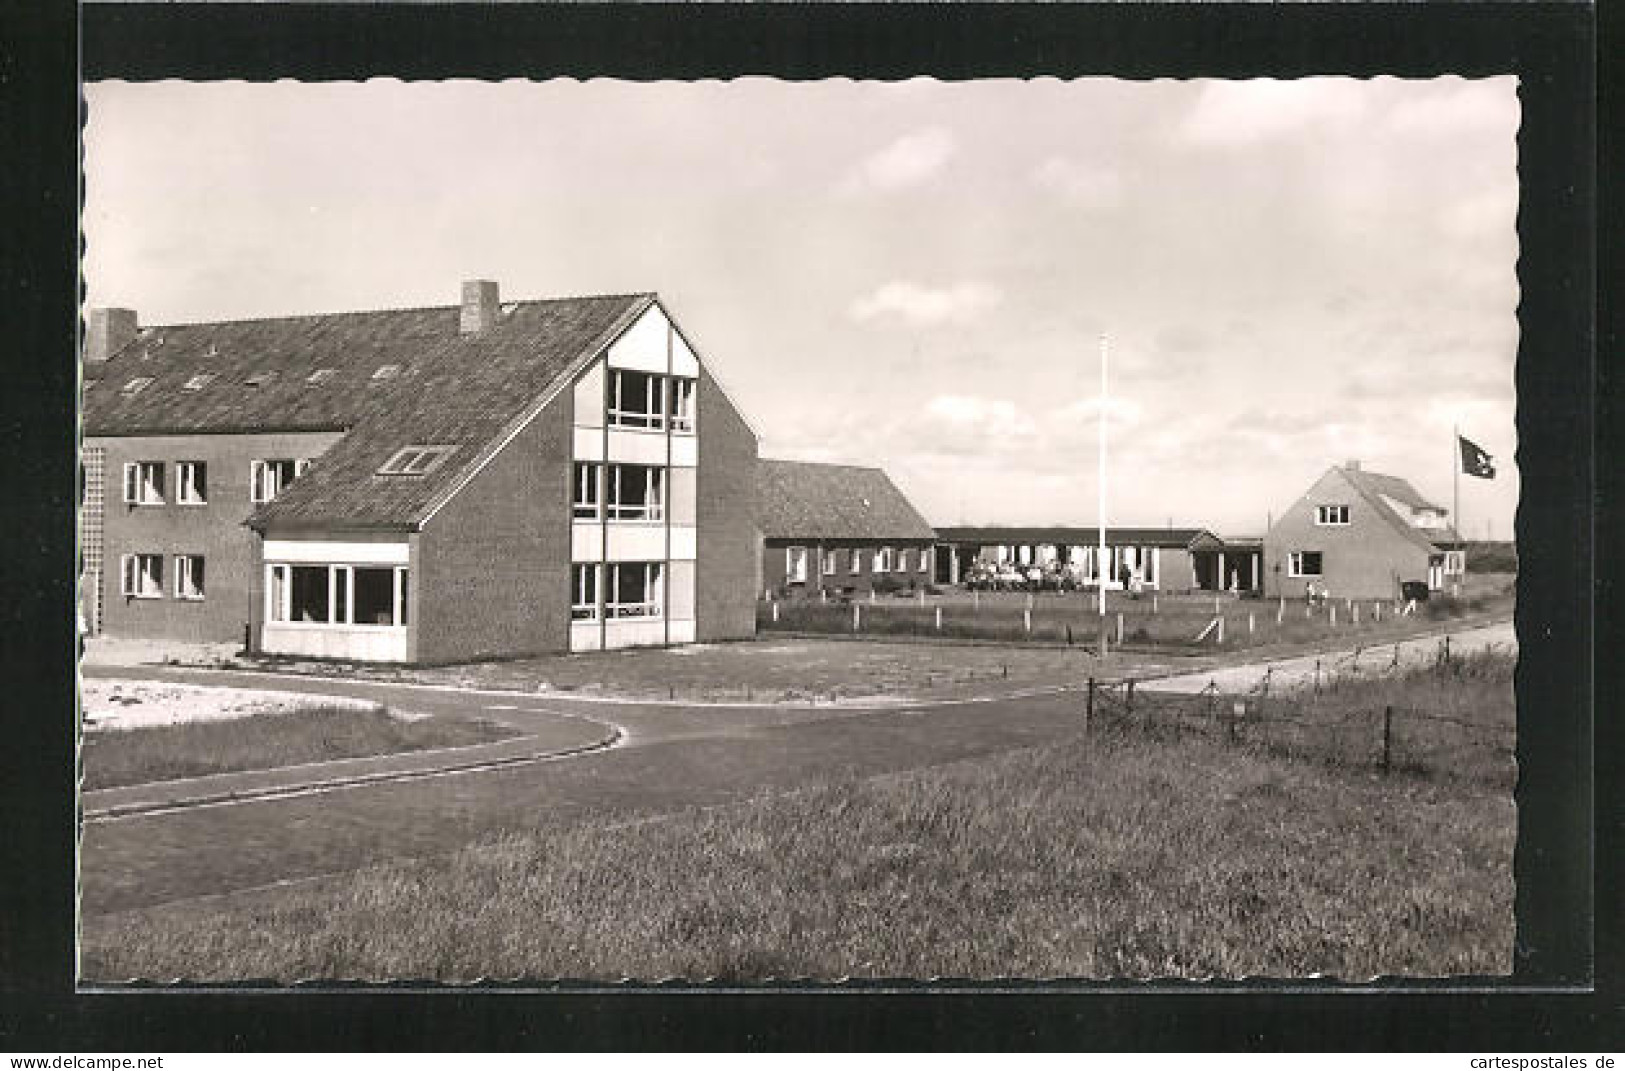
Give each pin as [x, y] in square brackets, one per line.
[1121, 412]
[908, 161]
[926, 305]
[1244, 112]
[984, 416]
[1085, 184]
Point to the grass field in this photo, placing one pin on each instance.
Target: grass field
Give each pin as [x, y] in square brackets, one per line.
[1167, 623]
[116, 757]
[1137, 851]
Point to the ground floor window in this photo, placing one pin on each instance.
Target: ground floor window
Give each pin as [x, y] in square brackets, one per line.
[883, 559]
[1455, 562]
[1303, 563]
[795, 565]
[584, 592]
[634, 589]
[142, 576]
[925, 560]
[189, 576]
[857, 561]
[828, 563]
[337, 594]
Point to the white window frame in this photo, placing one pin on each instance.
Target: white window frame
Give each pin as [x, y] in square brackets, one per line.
[924, 565]
[827, 564]
[653, 506]
[681, 396]
[1294, 564]
[883, 560]
[1332, 515]
[340, 594]
[262, 487]
[652, 418]
[1455, 562]
[137, 581]
[187, 480]
[143, 483]
[190, 579]
[586, 580]
[857, 561]
[652, 605]
[795, 565]
[587, 498]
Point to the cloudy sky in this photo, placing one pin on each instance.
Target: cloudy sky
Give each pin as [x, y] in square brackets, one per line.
[915, 274]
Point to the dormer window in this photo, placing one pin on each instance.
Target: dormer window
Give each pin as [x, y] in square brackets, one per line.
[199, 381]
[1334, 515]
[320, 376]
[136, 385]
[260, 379]
[415, 460]
[386, 371]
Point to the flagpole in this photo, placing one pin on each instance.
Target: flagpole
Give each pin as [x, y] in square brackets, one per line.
[1101, 564]
[1455, 481]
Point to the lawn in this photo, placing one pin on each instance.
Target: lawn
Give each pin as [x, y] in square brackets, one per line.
[1153, 623]
[1134, 851]
[312, 733]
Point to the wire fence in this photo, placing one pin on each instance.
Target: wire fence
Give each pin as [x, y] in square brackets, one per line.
[1443, 715]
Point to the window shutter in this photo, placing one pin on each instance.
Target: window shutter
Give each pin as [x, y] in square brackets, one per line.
[127, 574]
[129, 482]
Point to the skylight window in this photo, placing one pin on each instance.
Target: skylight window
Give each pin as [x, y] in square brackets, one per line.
[137, 385]
[260, 379]
[199, 381]
[415, 460]
[387, 371]
[508, 309]
[321, 375]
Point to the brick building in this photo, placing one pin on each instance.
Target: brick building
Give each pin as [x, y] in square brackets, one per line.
[427, 485]
[840, 529]
[1360, 535]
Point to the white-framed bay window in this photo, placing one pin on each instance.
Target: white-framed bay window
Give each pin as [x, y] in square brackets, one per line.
[335, 594]
[634, 589]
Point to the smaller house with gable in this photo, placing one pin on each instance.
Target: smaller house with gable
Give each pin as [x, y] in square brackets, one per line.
[1361, 535]
[844, 530]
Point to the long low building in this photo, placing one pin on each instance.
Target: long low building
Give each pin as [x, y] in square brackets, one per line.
[1166, 559]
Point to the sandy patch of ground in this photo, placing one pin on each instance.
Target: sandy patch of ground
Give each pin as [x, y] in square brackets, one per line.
[114, 704]
[117, 651]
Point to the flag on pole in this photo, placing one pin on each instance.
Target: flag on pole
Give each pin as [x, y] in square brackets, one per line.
[1474, 460]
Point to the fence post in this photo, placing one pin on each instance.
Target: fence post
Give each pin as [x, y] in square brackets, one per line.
[1119, 630]
[939, 619]
[1280, 611]
[871, 596]
[922, 596]
[1317, 676]
[823, 595]
[1251, 625]
[1395, 663]
[1355, 611]
[1089, 706]
[1332, 607]
[1153, 602]
[1216, 610]
[1447, 649]
[975, 599]
[1130, 700]
[1238, 710]
[1376, 611]
[1027, 620]
[857, 616]
[1221, 630]
[775, 610]
[1387, 740]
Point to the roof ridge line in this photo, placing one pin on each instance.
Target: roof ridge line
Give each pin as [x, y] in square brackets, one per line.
[379, 312]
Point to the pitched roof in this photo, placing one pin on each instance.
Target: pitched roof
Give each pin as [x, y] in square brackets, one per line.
[1071, 535]
[449, 389]
[804, 500]
[1374, 487]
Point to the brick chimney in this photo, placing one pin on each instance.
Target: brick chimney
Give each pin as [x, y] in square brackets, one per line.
[1352, 464]
[480, 306]
[107, 331]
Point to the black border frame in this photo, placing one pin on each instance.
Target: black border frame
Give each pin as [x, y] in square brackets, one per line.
[1551, 46]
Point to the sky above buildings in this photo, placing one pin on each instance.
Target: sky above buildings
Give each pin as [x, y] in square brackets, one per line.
[914, 275]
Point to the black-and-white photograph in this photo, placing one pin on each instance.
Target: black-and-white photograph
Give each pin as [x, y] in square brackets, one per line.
[762, 531]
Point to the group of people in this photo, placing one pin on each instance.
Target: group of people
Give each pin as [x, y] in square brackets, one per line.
[1045, 576]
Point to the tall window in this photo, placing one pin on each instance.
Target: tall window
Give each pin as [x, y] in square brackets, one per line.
[1332, 515]
[924, 564]
[142, 576]
[189, 576]
[1303, 563]
[191, 483]
[634, 589]
[857, 561]
[589, 493]
[883, 559]
[795, 565]
[584, 592]
[337, 594]
[637, 492]
[637, 399]
[269, 477]
[682, 404]
[144, 483]
[828, 564]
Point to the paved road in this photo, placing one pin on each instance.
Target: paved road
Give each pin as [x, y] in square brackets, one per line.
[1288, 672]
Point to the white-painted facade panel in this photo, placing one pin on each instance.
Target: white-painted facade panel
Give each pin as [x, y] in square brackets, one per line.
[638, 632]
[327, 551]
[682, 631]
[638, 447]
[626, 542]
[683, 361]
[684, 542]
[680, 600]
[585, 636]
[685, 451]
[589, 397]
[644, 345]
[586, 541]
[589, 444]
[682, 495]
[365, 643]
